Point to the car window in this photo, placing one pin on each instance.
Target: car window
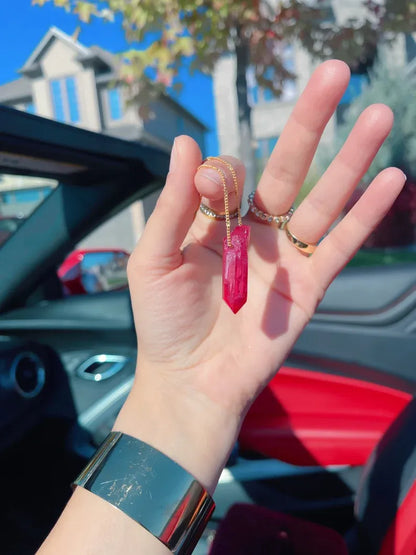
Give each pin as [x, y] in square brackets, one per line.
[19, 196]
[394, 240]
[99, 262]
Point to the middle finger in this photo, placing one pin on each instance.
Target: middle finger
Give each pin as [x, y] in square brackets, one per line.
[290, 160]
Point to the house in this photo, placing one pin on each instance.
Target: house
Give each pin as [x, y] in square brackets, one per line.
[269, 114]
[64, 80]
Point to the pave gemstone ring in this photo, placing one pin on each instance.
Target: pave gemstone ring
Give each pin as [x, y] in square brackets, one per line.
[213, 215]
[279, 220]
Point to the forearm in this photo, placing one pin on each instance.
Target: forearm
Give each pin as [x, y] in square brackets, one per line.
[90, 525]
[186, 426]
[191, 434]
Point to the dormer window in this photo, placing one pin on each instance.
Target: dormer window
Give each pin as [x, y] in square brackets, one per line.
[65, 100]
[115, 103]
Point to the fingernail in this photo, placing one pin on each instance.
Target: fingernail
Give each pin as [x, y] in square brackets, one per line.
[173, 157]
[211, 175]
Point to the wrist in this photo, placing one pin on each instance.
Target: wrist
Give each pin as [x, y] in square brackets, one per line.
[186, 426]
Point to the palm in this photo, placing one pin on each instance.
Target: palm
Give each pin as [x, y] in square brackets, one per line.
[282, 289]
[182, 322]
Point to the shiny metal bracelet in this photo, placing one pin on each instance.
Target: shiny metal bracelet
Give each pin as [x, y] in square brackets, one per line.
[150, 488]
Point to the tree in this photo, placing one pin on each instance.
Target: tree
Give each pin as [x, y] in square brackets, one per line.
[253, 30]
[399, 149]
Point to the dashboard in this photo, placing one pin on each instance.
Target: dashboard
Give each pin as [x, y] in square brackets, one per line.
[66, 367]
[85, 387]
[27, 374]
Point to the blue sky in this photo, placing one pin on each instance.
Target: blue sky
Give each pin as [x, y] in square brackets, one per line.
[22, 26]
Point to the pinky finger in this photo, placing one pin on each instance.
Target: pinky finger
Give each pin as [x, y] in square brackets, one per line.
[340, 245]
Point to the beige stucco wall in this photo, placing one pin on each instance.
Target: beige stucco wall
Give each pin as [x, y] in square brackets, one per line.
[226, 105]
[88, 100]
[60, 61]
[268, 118]
[42, 98]
[347, 9]
[394, 53]
[122, 231]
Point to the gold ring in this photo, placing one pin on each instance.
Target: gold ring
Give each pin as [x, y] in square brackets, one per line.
[279, 220]
[213, 215]
[302, 246]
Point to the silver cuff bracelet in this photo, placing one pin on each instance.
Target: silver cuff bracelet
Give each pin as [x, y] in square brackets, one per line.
[150, 488]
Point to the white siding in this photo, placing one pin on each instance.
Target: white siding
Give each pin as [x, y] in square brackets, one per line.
[60, 60]
[226, 106]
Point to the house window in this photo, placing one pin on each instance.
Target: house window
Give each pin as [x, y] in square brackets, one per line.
[355, 88]
[266, 95]
[265, 147]
[289, 88]
[252, 88]
[115, 104]
[65, 100]
[71, 94]
[260, 95]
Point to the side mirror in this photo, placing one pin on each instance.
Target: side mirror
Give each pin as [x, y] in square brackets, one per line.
[94, 271]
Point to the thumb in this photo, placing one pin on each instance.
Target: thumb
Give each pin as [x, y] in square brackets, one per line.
[166, 229]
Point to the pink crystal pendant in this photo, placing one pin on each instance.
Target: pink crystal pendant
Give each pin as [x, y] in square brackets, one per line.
[235, 268]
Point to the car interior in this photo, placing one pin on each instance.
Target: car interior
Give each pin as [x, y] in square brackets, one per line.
[52, 413]
[343, 401]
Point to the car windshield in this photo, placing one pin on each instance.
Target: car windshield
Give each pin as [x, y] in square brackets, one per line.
[19, 197]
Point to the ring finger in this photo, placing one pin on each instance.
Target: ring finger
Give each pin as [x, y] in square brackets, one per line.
[323, 205]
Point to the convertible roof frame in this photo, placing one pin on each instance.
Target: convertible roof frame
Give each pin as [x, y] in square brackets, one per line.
[93, 155]
[98, 175]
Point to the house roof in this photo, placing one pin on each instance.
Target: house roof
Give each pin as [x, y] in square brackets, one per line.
[14, 90]
[105, 56]
[53, 33]
[21, 88]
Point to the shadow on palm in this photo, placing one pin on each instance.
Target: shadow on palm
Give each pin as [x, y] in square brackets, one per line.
[279, 280]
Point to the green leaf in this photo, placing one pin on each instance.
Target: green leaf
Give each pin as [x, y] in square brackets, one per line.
[84, 10]
[183, 46]
[205, 30]
[39, 2]
[62, 3]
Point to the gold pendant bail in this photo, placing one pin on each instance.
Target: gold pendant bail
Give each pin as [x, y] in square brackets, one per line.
[235, 181]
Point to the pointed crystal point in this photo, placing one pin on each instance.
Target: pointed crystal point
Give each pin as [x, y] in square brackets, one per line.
[235, 268]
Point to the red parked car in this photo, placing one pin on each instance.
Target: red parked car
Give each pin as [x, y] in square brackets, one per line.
[94, 270]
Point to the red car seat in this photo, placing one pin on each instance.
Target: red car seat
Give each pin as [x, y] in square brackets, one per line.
[385, 510]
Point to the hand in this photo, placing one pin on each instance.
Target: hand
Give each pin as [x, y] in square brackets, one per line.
[199, 365]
